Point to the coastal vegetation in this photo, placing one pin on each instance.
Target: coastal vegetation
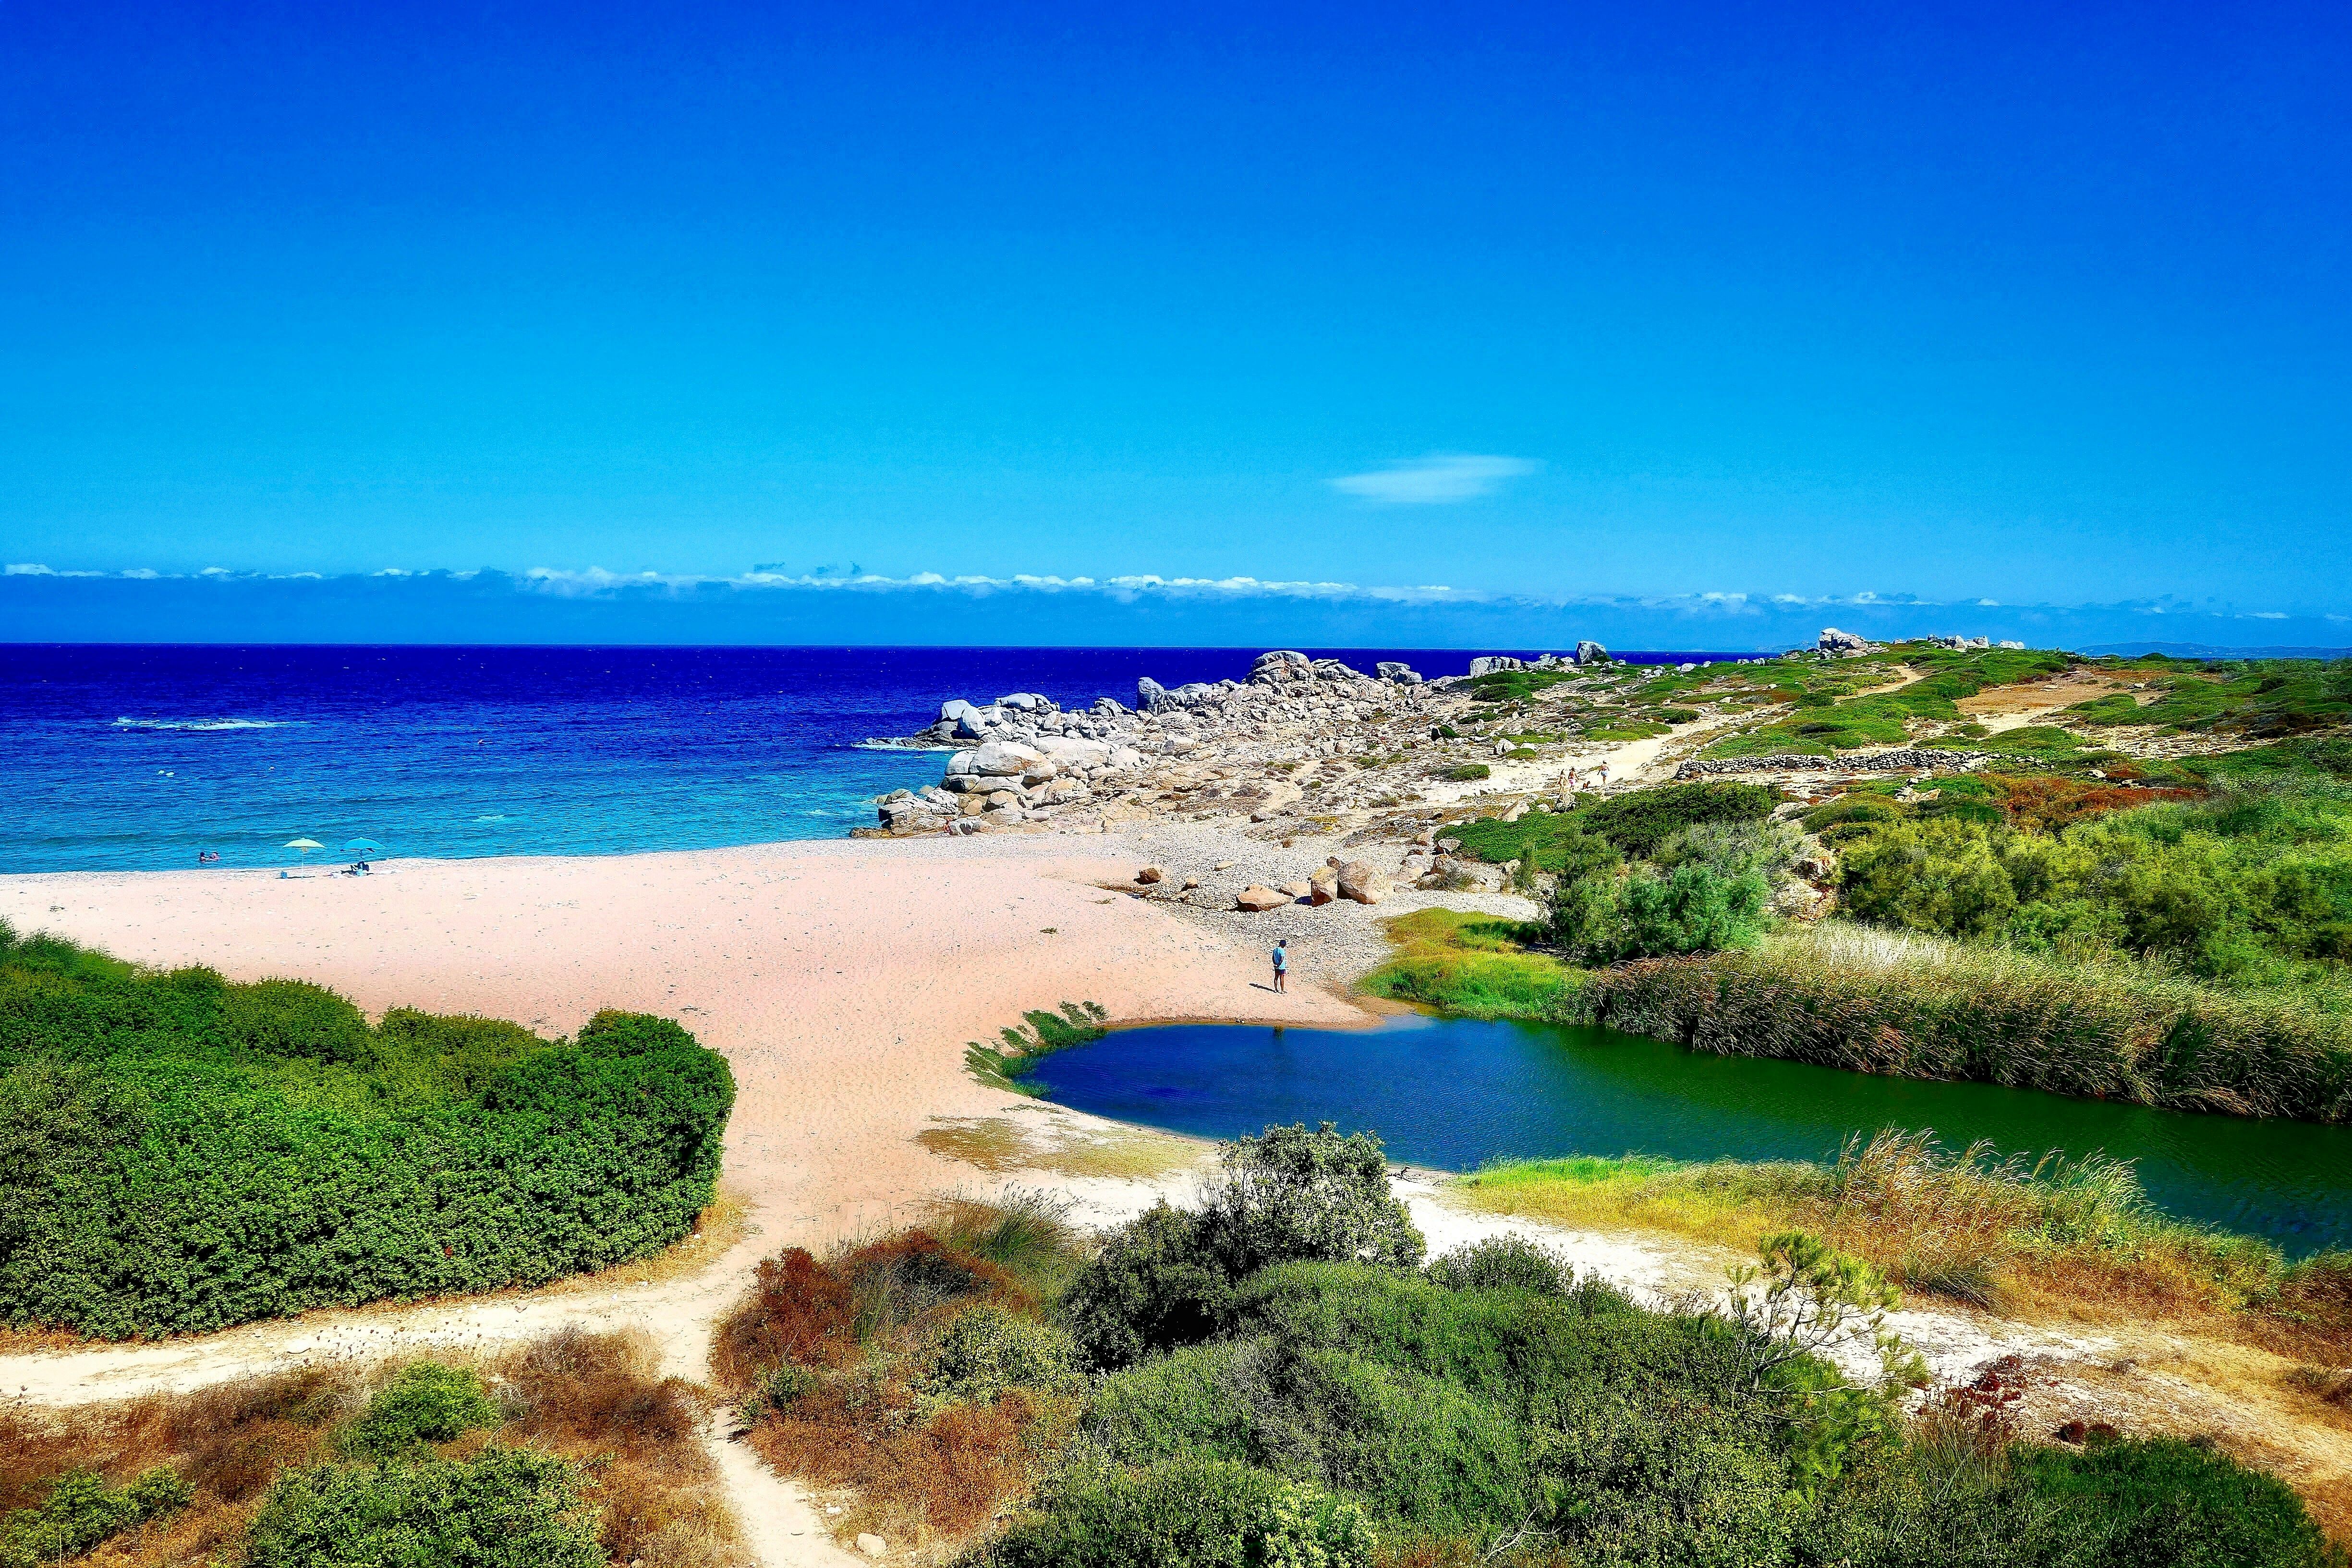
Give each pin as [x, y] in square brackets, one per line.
[2179, 946]
[179, 1153]
[2048, 1238]
[1273, 1377]
[1042, 1031]
[571, 1451]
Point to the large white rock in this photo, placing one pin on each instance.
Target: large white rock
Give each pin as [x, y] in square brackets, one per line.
[1005, 759]
[1073, 751]
[966, 762]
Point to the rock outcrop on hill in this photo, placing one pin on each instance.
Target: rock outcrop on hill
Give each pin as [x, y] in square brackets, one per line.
[1312, 745]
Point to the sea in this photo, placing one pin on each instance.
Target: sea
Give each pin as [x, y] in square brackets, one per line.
[151, 757]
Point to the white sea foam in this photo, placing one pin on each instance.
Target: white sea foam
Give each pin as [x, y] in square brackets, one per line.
[204, 723]
[883, 744]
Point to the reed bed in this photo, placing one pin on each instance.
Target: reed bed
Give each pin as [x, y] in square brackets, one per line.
[1873, 1000]
[2047, 1236]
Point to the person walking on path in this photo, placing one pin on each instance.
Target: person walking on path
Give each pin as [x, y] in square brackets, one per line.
[1281, 963]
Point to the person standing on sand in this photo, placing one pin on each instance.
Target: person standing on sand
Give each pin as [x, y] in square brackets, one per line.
[1281, 963]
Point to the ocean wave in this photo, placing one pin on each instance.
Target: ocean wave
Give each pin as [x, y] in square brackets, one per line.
[884, 743]
[204, 723]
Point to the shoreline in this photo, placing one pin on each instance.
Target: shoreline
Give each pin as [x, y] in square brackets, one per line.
[841, 978]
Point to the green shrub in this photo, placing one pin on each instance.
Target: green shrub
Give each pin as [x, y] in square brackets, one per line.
[985, 1350]
[178, 1153]
[1422, 1454]
[2251, 884]
[1603, 919]
[1167, 1276]
[426, 1403]
[1187, 1513]
[1509, 1262]
[1939, 875]
[1465, 773]
[81, 1510]
[1639, 824]
[1157, 1282]
[2164, 1502]
[503, 1508]
[1292, 1194]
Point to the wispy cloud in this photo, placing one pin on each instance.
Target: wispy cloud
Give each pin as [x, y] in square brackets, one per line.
[596, 580]
[1435, 481]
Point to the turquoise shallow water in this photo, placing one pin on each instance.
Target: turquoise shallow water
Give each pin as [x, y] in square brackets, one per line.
[1456, 1092]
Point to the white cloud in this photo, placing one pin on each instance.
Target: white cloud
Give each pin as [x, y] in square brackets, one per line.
[1436, 480]
[28, 569]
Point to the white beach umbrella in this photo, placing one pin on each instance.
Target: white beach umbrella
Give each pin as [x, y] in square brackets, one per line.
[304, 844]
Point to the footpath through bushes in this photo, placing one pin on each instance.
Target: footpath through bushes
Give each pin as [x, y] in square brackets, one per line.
[181, 1154]
[1274, 1378]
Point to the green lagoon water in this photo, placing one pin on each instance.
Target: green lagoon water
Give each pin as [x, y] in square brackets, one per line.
[1456, 1093]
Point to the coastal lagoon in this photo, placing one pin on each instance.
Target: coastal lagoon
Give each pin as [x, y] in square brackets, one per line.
[1457, 1092]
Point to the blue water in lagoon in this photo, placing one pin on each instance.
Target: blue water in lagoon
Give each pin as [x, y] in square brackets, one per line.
[1456, 1093]
[135, 758]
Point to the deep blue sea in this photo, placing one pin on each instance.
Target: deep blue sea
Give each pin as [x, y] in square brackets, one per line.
[142, 757]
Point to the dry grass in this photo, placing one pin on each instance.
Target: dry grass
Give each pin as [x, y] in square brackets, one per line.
[591, 1398]
[828, 1355]
[1060, 1144]
[2055, 1240]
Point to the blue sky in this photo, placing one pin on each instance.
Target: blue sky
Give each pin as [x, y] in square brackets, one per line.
[2043, 306]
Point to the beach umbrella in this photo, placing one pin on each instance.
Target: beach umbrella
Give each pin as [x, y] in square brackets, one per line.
[304, 844]
[362, 847]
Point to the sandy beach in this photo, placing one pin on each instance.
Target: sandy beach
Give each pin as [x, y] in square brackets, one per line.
[841, 980]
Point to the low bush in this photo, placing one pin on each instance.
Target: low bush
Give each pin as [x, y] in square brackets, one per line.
[181, 1154]
[82, 1510]
[1156, 1283]
[916, 1367]
[501, 1506]
[426, 1403]
[1166, 1279]
[208, 1463]
[1639, 823]
[1187, 1513]
[1466, 773]
[2251, 884]
[1504, 1262]
[1607, 918]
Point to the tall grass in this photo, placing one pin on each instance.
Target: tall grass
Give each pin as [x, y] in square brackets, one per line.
[1853, 997]
[1848, 996]
[1471, 964]
[2043, 1237]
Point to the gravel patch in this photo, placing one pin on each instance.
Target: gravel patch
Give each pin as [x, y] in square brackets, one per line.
[1333, 946]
